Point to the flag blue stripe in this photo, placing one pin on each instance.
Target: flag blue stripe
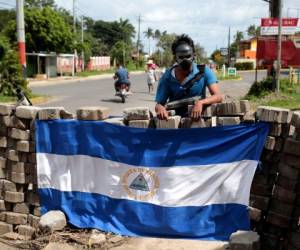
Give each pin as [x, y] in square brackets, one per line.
[126, 217]
[152, 147]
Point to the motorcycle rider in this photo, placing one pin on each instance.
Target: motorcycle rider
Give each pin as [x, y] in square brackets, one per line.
[121, 76]
[172, 85]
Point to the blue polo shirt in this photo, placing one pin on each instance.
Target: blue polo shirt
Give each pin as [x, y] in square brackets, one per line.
[170, 89]
[122, 75]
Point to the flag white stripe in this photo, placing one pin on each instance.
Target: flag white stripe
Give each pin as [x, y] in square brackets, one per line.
[177, 186]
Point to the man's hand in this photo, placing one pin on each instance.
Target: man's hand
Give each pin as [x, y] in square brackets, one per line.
[161, 112]
[197, 110]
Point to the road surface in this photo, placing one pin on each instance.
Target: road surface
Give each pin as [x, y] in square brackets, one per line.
[73, 94]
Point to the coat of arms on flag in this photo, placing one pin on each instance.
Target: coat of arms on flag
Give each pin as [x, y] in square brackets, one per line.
[140, 183]
[184, 183]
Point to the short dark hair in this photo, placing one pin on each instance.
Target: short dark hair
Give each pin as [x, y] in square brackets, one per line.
[182, 39]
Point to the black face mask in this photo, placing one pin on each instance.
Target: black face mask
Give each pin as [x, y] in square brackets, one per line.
[186, 64]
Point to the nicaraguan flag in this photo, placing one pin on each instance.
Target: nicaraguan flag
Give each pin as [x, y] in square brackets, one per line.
[174, 183]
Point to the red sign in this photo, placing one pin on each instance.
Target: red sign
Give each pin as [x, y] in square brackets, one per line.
[269, 26]
[273, 22]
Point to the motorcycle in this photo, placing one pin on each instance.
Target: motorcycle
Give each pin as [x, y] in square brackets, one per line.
[122, 91]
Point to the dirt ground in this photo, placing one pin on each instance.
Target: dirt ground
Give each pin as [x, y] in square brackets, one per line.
[76, 239]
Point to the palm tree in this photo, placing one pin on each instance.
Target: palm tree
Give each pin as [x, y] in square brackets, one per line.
[149, 34]
[157, 34]
[253, 31]
[238, 37]
[126, 29]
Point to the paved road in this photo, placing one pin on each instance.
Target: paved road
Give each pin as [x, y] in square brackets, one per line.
[73, 94]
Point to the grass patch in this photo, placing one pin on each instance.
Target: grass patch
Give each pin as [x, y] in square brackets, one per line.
[108, 71]
[261, 94]
[39, 99]
[94, 73]
[35, 99]
[222, 78]
[7, 99]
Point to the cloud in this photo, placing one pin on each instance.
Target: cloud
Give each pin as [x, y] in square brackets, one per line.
[207, 22]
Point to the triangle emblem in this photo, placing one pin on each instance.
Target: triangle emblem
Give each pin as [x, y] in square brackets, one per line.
[139, 183]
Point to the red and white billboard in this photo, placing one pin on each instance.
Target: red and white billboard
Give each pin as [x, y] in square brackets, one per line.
[269, 26]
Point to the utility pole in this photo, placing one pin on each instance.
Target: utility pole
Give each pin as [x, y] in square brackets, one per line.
[74, 17]
[21, 34]
[279, 46]
[274, 8]
[138, 40]
[228, 56]
[74, 32]
[82, 40]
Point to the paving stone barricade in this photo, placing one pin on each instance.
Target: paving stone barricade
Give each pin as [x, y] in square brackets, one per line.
[275, 193]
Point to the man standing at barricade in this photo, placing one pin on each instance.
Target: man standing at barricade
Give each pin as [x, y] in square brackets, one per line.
[185, 79]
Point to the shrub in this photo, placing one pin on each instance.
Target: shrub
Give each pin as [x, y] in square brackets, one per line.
[266, 86]
[244, 66]
[261, 88]
[10, 71]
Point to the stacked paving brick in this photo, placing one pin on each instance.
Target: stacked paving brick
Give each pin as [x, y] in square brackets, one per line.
[220, 114]
[275, 193]
[274, 189]
[19, 202]
[291, 160]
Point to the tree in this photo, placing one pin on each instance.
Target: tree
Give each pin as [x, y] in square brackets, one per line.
[121, 52]
[39, 4]
[238, 37]
[112, 32]
[164, 48]
[218, 58]
[156, 35]
[200, 53]
[5, 17]
[149, 34]
[253, 31]
[46, 30]
[10, 70]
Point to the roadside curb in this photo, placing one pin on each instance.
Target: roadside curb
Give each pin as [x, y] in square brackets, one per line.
[62, 80]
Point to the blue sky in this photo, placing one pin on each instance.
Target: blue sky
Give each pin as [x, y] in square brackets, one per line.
[206, 22]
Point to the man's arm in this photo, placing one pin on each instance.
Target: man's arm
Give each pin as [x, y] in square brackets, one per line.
[161, 98]
[215, 97]
[161, 111]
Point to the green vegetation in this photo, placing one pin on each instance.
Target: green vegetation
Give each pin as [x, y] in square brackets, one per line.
[261, 93]
[50, 29]
[94, 73]
[222, 78]
[7, 99]
[131, 68]
[10, 70]
[244, 66]
[35, 99]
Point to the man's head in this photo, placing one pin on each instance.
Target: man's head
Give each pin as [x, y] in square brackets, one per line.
[184, 51]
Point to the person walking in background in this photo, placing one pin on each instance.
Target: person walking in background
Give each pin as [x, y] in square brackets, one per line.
[151, 75]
